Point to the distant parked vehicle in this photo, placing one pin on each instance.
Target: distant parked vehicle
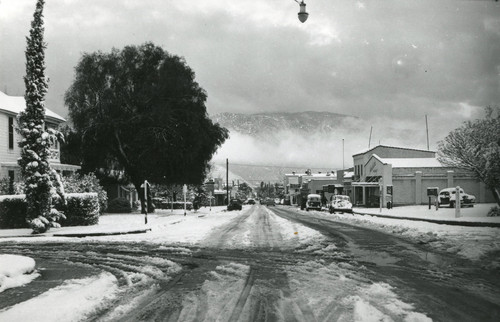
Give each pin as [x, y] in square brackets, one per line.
[250, 201]
[449, 196]
[234, 204]
[270, 202]
[313, 202]
[340, 203]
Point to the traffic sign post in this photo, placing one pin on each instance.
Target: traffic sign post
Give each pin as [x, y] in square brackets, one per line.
[457, 202]
[184, 191]
[145, 186]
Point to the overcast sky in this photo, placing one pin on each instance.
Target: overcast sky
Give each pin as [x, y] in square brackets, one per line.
[395, 60]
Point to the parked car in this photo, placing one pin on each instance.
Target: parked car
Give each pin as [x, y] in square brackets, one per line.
[250, 201]
[449, 196]
[270, 202]
[313, 202]
[234, 204]
[340, 203]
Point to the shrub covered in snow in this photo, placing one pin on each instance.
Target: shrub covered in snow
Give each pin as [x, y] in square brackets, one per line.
[494, 212]
[86, 183]
[81, 209]
[119, 205]
[13, 212]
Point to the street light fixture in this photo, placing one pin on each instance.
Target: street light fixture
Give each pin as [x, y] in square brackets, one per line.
[303, 15]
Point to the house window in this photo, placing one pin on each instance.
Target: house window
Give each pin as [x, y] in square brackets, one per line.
[11, 133]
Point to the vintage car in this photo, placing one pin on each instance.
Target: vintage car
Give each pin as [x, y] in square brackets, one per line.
[250, 201]
[234, 204]
[313, 202]
[448, 196]
[269, 202]
[341, 204]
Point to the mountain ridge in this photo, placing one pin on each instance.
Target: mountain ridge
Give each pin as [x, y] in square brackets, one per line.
[262, 123]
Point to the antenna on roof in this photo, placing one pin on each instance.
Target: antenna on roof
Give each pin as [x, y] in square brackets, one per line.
[370, 140]
[427, 130]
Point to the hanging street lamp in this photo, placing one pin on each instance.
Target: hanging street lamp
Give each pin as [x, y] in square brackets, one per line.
[303, 15]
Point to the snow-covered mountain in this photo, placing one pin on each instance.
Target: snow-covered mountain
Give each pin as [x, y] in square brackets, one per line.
[301, 122]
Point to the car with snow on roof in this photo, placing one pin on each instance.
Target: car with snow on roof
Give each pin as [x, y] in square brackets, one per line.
[449, 196]
[340, 203]
[313, 202]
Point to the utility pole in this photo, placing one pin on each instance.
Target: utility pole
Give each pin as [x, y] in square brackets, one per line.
[343, 167]
[227, 180]
[427, 130]
[370, 140]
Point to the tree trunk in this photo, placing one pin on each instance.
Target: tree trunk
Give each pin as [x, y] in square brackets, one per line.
[496, 195]
[140, 192]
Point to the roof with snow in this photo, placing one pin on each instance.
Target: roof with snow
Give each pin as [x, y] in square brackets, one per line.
[17, 104]
[410, 162]
[388, 146]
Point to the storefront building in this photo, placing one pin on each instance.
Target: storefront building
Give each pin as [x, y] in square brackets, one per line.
[401, 176]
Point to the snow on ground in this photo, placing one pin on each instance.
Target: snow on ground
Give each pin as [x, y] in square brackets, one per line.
[86, 296]
[295, 233]
[337, 292]
[470, 242]
[166, 227]
[216, 298]
[16, 271]
[477, 213]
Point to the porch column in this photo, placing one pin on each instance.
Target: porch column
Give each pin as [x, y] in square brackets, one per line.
[364, 195]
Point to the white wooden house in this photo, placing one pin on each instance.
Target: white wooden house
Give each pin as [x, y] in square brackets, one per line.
[10, 106]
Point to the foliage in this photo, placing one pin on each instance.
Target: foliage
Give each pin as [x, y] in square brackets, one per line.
[6, 187]
[13, 212]
[70, 152]
[475, 146]
[86, 183]
[494, 212]
[36, 140]
[139, 111]
[82, 209]
[119, 205]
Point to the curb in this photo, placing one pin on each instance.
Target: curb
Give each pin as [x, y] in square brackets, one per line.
[438, 221]
[138, 231]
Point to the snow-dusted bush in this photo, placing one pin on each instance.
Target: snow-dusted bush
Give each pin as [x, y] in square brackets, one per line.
[81, 209]
[13, 212]
[86, 183]
[119, 205]
[494, 212]
[36, 139]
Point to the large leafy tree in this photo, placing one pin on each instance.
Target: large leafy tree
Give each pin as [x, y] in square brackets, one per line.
[475, 146]
[139, 110]
[36, 139]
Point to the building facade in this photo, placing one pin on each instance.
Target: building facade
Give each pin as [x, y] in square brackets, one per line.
[10, 106]
[402, 175]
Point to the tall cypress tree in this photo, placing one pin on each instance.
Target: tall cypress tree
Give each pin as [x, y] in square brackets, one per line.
[36, 140]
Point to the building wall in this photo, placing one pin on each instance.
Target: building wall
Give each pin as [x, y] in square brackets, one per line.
[6, 154]
[412, 188]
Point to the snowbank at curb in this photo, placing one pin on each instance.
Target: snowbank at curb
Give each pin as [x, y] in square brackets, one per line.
[16, 271]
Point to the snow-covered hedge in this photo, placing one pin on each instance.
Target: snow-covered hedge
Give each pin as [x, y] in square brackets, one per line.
[13, 211]
[81, 209]
[119, 205]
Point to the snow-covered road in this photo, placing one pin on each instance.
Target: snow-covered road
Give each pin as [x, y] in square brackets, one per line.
[260, 264]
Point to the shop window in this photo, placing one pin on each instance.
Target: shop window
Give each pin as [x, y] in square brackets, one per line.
[11, 133]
